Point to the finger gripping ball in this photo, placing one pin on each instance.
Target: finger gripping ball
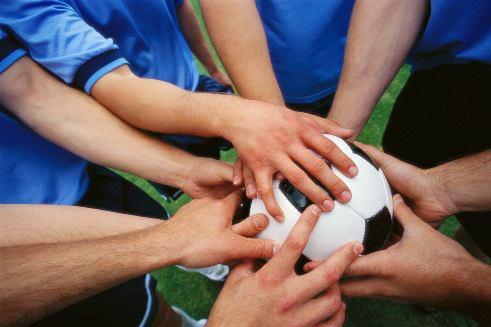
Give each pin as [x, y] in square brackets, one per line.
[367, 218]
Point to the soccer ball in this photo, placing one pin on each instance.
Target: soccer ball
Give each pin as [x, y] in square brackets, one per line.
[367, 218]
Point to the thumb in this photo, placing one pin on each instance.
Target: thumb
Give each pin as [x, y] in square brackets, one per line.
[404, 214]
[241, 271]
[398, 172]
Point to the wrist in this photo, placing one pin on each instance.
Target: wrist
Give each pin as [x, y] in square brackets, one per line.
[440, 189]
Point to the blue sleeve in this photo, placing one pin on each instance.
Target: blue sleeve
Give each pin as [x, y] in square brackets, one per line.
[178, 3]
[10, 51]
[60, 40]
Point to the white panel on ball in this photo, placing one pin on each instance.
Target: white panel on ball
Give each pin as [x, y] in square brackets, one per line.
[333, 230]
[388, 193]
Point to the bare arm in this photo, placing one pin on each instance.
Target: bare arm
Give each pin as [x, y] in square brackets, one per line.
[267, 139]
[242, 46]
[196, 40]
[380, 36]
[39, 279]
[78, 123]
[36, 224]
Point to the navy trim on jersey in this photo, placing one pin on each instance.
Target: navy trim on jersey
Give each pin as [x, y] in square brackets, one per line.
[91, 71]
[10, 52]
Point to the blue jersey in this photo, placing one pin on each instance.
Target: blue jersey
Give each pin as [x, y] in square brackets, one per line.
[82, 40]
[306, 42]
[456, 32]
[32, 169]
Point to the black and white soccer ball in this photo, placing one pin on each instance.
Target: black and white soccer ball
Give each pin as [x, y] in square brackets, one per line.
[367, 218]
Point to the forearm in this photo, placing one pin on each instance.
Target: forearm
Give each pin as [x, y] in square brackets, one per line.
[22, 225]
[380, 36]
[473, 292]
[40, 279]
[466, 182]
[162, 107]
[242, 46]
[194, 35]
[79, 124]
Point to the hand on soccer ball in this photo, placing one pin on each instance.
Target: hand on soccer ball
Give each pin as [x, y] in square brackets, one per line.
[424, 267]
[205, 177]
[419, 187]
[203, 234]
[276, 296]
[271, 139]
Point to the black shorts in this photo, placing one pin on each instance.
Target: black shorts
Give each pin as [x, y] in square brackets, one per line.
[442, 114]
[131, 303]
[319, 108]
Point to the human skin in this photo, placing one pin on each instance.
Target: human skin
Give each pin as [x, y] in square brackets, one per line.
[461, 185]
[79, 124]
[196, 40]
[425, 267]
[276, 296]
[380, 36]
[70, 264]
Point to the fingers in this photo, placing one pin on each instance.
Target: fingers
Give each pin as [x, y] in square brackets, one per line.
[249, 182]
[321, 308]
[231, 202]
[320, 170]
[251, 226]
[311, 265]
[369, 287]
[251, 248]
[330, 126]
[332, 269]
[329, 150]
[403, 214]
[238, 176]
[284, 261]
[373, 264]
[241, 271]
[265, 190]
[337, 320]
[304, 184]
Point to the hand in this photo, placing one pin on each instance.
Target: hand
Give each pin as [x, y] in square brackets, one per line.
[276, 296]
[419, 187]
[205, 177]
[271, 139]
[425, 267]
[222, 78]
[203, 234]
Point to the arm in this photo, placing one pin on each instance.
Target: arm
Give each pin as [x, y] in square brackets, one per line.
[380, 36]
[76, 122]
[242, 46]
[196, 40]
[460, 185]
[276, 296]
[37, 224]
[437, 272]
[58, 274]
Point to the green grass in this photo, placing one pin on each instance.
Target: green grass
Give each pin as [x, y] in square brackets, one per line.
[196, 294]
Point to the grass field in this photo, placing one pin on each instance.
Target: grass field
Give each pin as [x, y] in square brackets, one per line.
[196, 295]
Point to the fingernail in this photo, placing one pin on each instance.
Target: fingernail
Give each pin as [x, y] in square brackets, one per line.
[250, 191]
[259, 223]
[358, 247]
[353, 171]
[345, 196]
[276, 248]
[315, 210]
[398, 198]
[279, 219]
[344, 306]
[328, 205]
[236, 180]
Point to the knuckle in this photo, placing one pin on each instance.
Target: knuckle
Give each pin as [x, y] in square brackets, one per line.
[286, 302]
[260, 249]
[336, 303]
[317, 167]
[295, 322]
[327, 145]
[331, 275]
[297, 177]
[296, 243]
[337, 186]
[269, 279]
